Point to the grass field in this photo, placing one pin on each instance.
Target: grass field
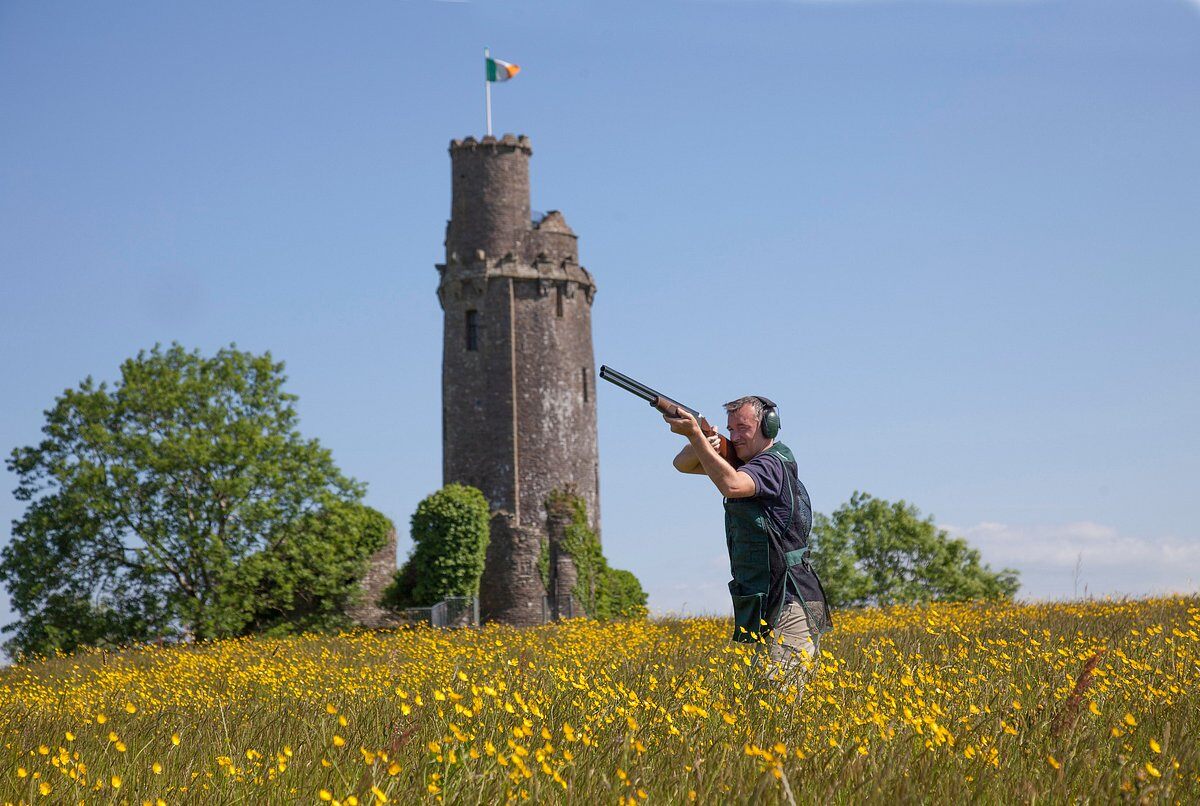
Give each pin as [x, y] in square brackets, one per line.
[1094, 701]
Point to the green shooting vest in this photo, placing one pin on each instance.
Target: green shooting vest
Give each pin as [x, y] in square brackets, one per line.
[767, 558]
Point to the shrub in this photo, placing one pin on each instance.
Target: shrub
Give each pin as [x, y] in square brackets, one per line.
[450, 538]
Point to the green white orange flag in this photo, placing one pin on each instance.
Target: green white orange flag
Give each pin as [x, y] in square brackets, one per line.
[500, 71]
[497, 70]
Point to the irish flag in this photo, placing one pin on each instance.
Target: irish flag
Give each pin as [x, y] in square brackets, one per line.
[500, 71]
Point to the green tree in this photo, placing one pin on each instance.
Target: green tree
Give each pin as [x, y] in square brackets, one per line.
[310, 581]
[623, 595]
[167, 504]
[450, 538]
[873, 551]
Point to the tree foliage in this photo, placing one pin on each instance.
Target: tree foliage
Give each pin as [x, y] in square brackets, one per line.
[604, 592]
[181, 500]
[311, 580]
[872, 551]
[450, 538]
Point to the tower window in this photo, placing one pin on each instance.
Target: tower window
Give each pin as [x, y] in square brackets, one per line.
[583, 374]
[472, 330]
[559, 300]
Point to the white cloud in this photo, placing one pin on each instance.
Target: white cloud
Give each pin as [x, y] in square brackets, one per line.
[1068, 559]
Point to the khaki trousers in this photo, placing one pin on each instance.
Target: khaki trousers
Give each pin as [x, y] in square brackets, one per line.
[792, 647]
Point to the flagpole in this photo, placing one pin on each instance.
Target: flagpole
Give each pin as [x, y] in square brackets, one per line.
[487, 90]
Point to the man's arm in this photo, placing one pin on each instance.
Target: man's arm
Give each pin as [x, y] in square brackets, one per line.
[686, 461]
[731, 483]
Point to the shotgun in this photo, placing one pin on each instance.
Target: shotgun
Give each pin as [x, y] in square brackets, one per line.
[671, 408]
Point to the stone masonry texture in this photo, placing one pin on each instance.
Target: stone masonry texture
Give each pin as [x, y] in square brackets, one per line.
[519, 409]
[380, 571]
[563, 573]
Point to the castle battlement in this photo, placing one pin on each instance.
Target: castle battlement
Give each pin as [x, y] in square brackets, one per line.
[508, 142]
[509, 265]
[554, 223]
[460, 282]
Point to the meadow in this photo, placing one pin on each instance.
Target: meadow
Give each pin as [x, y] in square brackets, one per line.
[1013, 703]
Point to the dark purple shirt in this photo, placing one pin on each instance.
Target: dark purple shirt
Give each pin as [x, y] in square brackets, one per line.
[770, 486]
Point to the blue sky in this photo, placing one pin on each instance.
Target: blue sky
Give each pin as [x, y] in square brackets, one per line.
[956, 241]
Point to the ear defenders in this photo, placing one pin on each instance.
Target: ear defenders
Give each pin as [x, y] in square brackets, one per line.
[770, 420]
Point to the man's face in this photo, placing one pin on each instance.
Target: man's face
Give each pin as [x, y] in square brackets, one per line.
[745, 434]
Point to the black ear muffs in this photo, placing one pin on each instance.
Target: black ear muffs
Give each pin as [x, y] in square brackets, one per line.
[770, 420]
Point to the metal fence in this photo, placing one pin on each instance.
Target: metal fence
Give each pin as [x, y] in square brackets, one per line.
[456, 611]
[463, 611]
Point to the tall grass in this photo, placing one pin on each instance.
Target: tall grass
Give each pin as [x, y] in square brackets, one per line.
[987, 702]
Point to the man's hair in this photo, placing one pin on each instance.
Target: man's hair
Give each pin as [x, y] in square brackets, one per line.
[750, 400]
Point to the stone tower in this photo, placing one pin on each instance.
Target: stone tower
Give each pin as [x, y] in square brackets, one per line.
[518, 395]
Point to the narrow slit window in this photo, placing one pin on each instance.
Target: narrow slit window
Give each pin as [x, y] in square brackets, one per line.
[472, 330]
[583, 374]
[559, 300]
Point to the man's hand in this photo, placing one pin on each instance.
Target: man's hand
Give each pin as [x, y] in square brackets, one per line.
[731, 483]
[684, 423]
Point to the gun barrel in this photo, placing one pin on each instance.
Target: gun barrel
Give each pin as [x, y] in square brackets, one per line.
[629, 384]
[640, 389]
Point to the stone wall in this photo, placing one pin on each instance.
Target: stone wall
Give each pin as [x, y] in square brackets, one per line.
[563, 573]
[511, 590]
[380, 572]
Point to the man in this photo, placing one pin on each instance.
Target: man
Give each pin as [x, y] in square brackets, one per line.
[777, 596]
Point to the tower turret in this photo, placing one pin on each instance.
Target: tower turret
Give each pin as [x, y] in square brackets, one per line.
[518, 403]
[489, 206]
